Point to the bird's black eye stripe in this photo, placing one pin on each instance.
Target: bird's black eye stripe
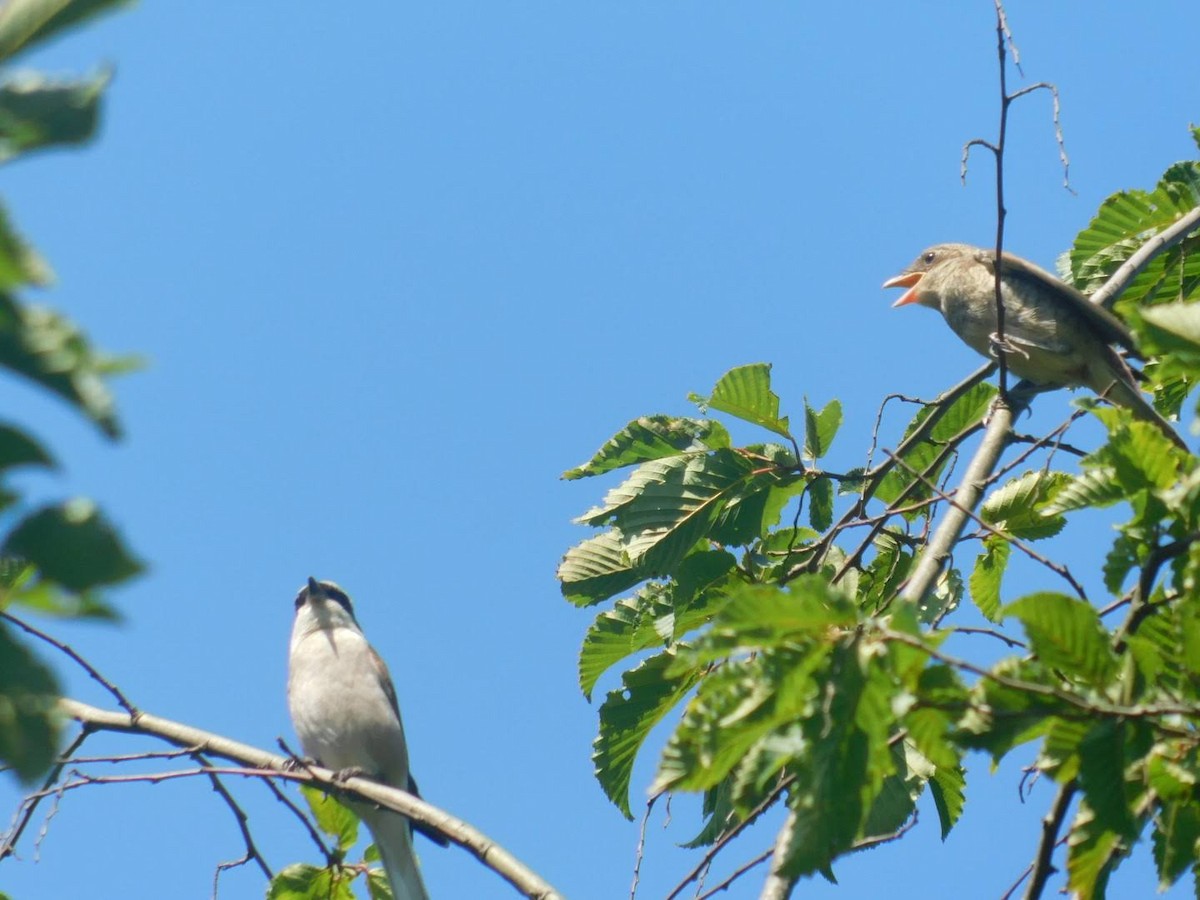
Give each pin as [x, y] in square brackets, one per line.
[300, 597]
[338, 596]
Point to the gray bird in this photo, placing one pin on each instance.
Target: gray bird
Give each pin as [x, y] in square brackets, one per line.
[1054, 335]
[343, 707]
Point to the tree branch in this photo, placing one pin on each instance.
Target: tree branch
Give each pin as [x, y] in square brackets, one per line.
[459, 832]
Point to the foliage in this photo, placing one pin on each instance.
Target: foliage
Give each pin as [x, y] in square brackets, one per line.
[752, 597]
[55, 558]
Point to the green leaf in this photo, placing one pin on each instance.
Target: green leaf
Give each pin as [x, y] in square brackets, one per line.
[948, 787]
[1091, 855]
[968, 410]
[378, 886]
[655, 616]
[745, 392]
[24, 23]
[74, 545]
[652, 437]
[1016, 508]
[332, 816]
[1102, 777]
[307, 882]
[1066, 634]
[1176, 836]
[50, 350]
[20, 264]
[597, 569]
[38, 112]
[648, 693]
[820, 503]
[987, 574]
[1174, 328]
[29, 728]
[821, 427]
[1095, 487]
[19, 449]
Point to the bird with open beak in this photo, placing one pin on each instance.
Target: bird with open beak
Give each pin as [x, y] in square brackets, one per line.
[1053, 335]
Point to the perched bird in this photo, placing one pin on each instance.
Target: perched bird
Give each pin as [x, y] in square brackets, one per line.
[1053, 335]
[343, 707]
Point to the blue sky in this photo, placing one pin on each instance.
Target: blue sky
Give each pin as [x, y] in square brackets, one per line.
[396, 267]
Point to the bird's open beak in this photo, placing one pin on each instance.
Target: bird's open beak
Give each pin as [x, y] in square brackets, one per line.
[908, 280]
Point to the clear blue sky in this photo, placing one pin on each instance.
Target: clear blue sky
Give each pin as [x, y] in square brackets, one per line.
[395, 267]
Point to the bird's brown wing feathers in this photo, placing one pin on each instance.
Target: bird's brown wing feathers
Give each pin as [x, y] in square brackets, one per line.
[1107, 326]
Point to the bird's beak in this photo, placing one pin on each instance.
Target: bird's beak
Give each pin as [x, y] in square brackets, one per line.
[313, 586]
[908, 280]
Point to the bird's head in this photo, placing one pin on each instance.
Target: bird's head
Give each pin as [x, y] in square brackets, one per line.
[930, 260]
[325, 602]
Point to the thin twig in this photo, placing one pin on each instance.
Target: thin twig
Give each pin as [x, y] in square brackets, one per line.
[1051, 823]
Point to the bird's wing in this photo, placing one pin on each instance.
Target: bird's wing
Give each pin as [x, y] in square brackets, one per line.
[1111, 329]
[389, 690]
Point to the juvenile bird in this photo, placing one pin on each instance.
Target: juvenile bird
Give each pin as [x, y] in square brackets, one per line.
[1054, 336]
[344, 710]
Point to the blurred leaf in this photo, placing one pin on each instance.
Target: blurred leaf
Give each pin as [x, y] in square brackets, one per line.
[1092, 853]
[1094, 487]
[987, 574]
[1102, 778]
[49, 349]
[966, 411]
[20, 264]
[1066, 634]
[19, 449]
[745, 392]
[652, 437]
[378, 886]
[1175, 839]
[27, 22]
[648, 693]
[50, 599]
[73, 545]
[821, 427]
[37, 112]
[308, 882]
[332, 816]
[29, 728]
[820, 503]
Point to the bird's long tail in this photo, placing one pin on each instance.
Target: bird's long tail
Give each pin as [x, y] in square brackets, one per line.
[1126, 393]
[393, 839]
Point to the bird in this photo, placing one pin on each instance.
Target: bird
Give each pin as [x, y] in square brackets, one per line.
[344, 710]
[1053, 335]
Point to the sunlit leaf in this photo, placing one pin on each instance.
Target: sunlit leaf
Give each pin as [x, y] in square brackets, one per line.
[987, 574]
[745, 392]
[1066, 633]
[653, 437]
[821, 427]
[332, 816]
[24, 23]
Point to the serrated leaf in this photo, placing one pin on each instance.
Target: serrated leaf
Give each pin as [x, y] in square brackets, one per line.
[1016, 508]
[598, 568]
[987, 575]
[37, 112]
[745, 392]
[652, 437]
[29, 727]
[1066, 634]
[332, 816]
[821, 427]
[378, 886]
[948, 787]
[1091, 853]
[627, 716]
[74, 545]
[820, 503]
[1096, 487]
[969, 409]
[655, 616]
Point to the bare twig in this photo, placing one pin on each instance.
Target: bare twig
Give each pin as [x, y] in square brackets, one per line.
[95, 675]
[1051, 823]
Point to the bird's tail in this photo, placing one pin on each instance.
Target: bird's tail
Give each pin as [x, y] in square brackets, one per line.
[393, 839]
[1126, 393]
